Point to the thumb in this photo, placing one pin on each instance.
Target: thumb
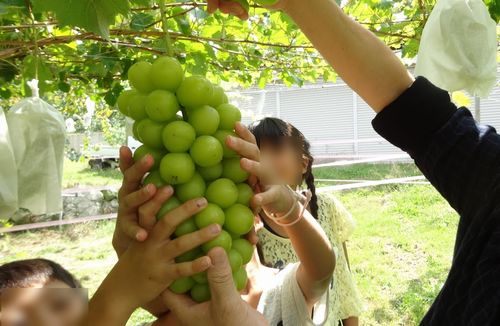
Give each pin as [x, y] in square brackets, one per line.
[177, 303]
[220, 277]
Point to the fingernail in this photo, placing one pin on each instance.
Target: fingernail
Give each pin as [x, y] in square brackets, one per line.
[148, 189]
[168, 190]
[201, 202]
[215, 229]
[206, 262]
[230, 139]
[146, 159]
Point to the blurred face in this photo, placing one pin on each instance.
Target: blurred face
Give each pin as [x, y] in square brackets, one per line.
[286, 161]
[51, 304]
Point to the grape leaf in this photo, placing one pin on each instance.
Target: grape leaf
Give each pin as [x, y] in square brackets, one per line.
[93, 15]
[141, 21]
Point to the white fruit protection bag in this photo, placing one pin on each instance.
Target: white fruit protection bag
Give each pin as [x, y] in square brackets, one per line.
[8, 174]
[37, 137]
[458, 50]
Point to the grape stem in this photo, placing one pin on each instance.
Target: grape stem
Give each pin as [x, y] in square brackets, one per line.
[168, 40]
[35, 40]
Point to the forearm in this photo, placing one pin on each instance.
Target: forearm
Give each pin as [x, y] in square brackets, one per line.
[366, 64]
[106, 311]
[109, 307]
[312, 247]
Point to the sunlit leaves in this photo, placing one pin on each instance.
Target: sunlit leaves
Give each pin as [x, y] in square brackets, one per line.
[92, 15]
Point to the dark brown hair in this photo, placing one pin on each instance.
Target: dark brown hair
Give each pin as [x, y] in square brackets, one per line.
[27, 273]
[277, 132]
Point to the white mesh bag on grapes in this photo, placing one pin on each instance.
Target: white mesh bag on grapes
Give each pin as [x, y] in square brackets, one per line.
[37, 136]
[458, 50]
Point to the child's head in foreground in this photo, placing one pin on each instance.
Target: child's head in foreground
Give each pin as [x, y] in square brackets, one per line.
[40, 292]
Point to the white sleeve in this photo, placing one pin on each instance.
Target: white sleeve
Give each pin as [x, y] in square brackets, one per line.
[285, 302]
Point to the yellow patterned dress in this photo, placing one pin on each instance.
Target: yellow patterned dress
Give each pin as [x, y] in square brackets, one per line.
[277, 252]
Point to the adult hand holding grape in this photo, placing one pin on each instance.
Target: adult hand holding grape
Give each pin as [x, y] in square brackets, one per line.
[226, 308]
[239, 8]
[271, 193]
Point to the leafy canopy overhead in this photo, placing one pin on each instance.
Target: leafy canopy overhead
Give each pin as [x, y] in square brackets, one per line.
[86, 46]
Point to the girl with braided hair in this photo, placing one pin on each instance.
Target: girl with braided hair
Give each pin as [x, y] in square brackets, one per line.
[286, 149]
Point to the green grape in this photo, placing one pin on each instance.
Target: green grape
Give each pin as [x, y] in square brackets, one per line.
[200, 278]
[167, 74]
[240, 279]
[212, 214]
[139, 76]
[206, 151]
[200, 292]
[234, 236]
[123, 101]
[170, 204]
[211, 173]
[239, 219]
[134, 130]
[231, 169]
[161, 106]
[182, 285]
[222, 192]
[205, 120]
[235, 260]
[186, 227]
[150, 133]
[245, 249]
[177, 168]
[144, 150]
[194, 91]
[221, 136]
[189, 255]
[137, 106]
[245, 194]
[154, 178]
[178, 136]
[194, 188]
[229, 115]
[224, 241]
[219, 97]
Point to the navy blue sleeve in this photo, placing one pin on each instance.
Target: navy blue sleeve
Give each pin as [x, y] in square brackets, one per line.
[458, 156]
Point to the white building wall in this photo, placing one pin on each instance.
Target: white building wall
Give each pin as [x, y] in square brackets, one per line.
[334, 119]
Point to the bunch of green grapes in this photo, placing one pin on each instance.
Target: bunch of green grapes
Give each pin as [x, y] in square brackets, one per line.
[183, 123]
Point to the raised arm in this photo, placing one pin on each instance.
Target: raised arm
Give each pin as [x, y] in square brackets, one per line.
[314, 250]
[366, 64]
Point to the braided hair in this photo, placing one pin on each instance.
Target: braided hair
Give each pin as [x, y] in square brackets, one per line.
[277, 132]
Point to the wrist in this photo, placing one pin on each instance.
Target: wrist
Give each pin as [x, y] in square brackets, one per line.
[107, 309]
[292, 217]
[111, 304]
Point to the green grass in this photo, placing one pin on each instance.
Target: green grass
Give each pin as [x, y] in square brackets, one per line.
[367, 171]
[80, 174]
[400, 252]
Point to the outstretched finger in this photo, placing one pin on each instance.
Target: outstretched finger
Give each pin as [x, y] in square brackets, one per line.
[190, 268]
[243, 148]
[133, 176]
[166, 226]
[148, 211]
[190, 241]
[126, 160]
[242, 131]
[134, 200]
